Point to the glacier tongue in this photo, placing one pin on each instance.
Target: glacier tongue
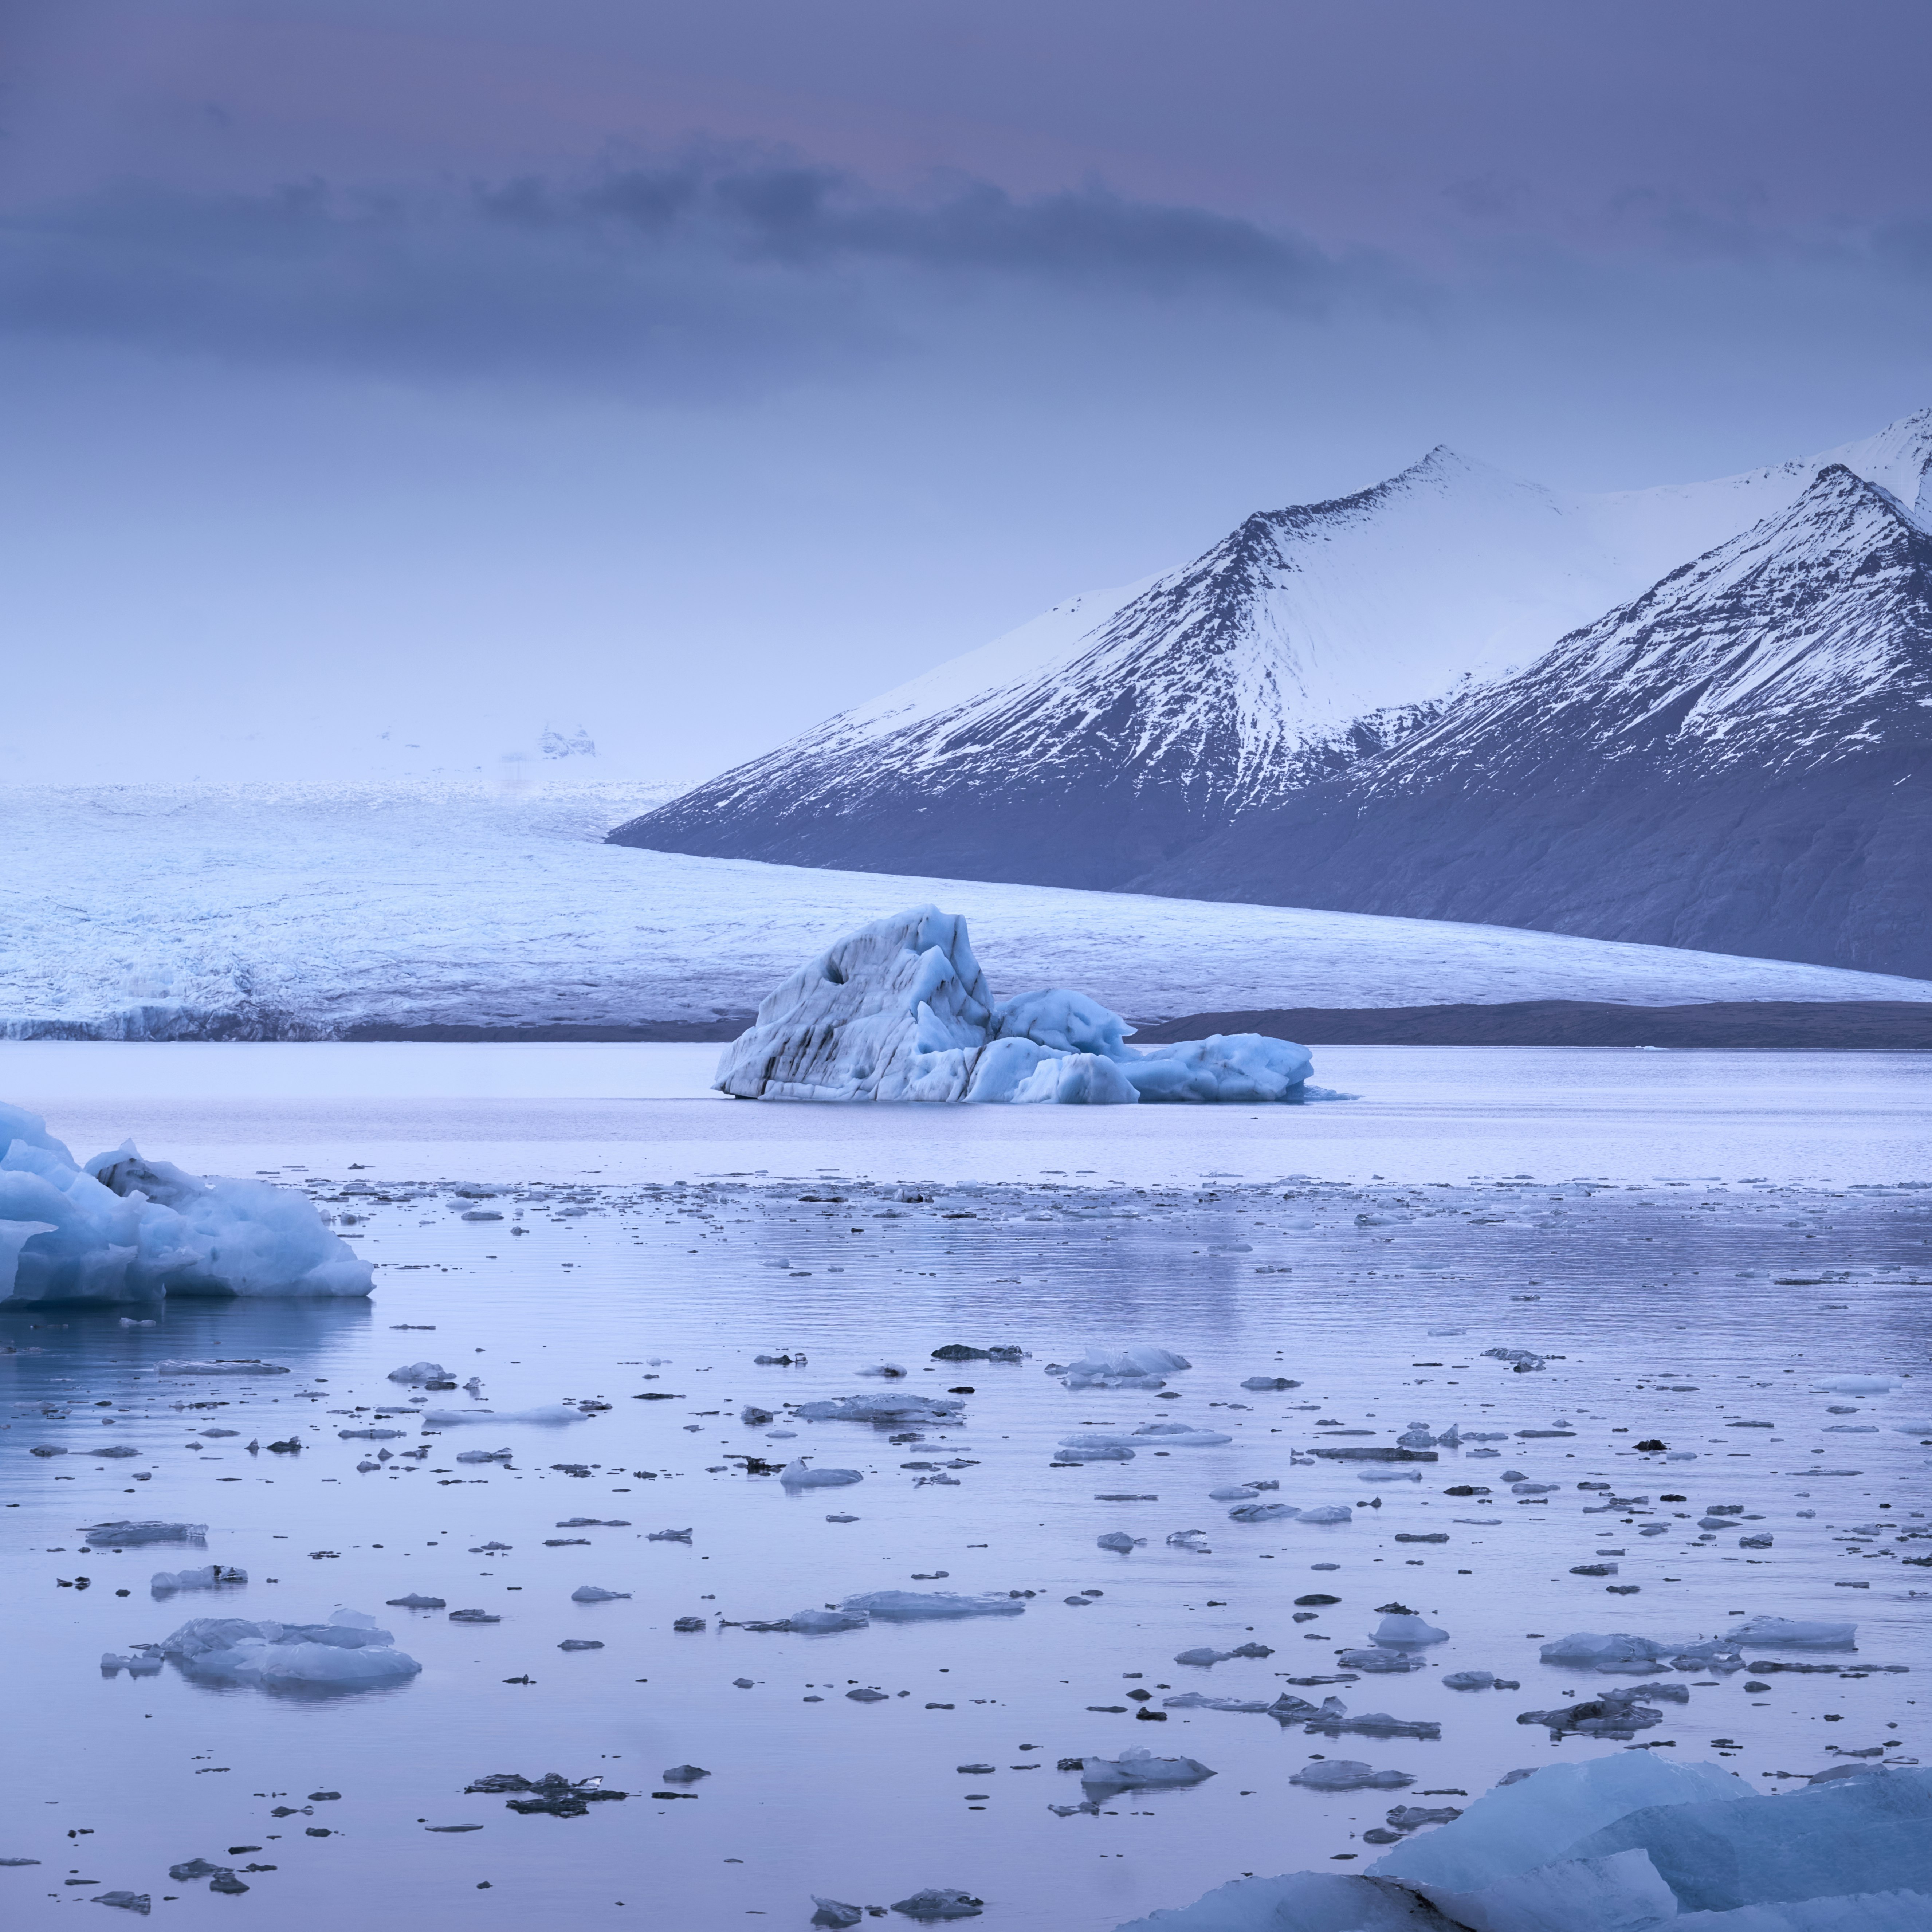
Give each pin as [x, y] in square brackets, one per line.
[899, 1010]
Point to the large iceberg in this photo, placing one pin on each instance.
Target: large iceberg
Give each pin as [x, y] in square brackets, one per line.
[1620, 1843]
[899, 1010]
[124, 1229]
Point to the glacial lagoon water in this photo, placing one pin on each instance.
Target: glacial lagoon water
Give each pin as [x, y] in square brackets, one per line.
[1699, 1313]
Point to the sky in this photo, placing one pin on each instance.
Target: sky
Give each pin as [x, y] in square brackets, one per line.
[385, 386]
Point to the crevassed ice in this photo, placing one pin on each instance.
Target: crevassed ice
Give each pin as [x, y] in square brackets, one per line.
[124, 1229]
[899, 1010]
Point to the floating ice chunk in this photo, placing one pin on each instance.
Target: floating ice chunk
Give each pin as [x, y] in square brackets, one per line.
[415, 1602]
[1138, 1768]
[453, 1418]
[1857, 1385]
[835, 1914]
[1785, 1633]
[109, 1535]
[1170, 1436]
[1371, 1473]
[347, 1653]
[1400, 1629]
[1342, 1773]
[797, 1476]
[1262, 1513]
[1239, 1492]
[1518, 1827]
[591, 1593]
[1772, 1850]
[903, 1606]
[882, 1407]
[1119, 1540]
[483, 1455]
[1378, 1662]
[825, 1623]
[1614, 1647]
[941, 1901]
[1140, 1366]
[899, 1010]
[209, 1576]
[1204, 1657]
[1326, 1513]
[236, 1368]
[417, 1373]
[124, 1230]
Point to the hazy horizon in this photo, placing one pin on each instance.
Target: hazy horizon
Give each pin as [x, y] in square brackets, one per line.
[461, 373]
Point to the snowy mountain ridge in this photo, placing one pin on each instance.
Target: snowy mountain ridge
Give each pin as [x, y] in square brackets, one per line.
[1109, 736]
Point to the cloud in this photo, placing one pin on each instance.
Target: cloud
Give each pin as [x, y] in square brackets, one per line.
[712, 271]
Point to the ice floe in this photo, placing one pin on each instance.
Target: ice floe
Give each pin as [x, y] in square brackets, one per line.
[1614, 1845]
[123, 1229]
[347, 1653]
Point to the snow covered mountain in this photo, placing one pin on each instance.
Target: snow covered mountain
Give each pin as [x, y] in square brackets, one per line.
[1741, 759]
[1342, 650]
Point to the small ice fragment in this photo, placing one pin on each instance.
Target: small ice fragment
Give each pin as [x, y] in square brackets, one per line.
[921, 1606]
[1349, 1775]
[591, 1593]
[797, 1476]
[1137, 1768]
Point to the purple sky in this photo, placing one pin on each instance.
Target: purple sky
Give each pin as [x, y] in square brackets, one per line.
[454, 370]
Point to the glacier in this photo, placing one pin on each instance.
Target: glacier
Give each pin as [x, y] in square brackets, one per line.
[124, 1229]
[899, 1010]
[1622, 1844]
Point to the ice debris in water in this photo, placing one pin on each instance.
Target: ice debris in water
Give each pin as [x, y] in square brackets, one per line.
[210, 1576]
[1620, 1843]
[418, 1373]
[1138, 1768]
[592, 1593]
[452, 1418]
[1204, 1656]
[1140, 1366]
[924, 1605]
[941, 1901]
[1344, 1774]
[883, 1407]
[899, 1010]
[834, 1913]
[113, 1535]
[1119, 1541]
[797, 1476]
[124, 1229]
[241, 1367]
[1785, 1633]
[1857, 1385]
[347, 1653]
[1401, 1627]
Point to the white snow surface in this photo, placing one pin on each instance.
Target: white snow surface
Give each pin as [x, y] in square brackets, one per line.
[1226, 669]
[301, 912]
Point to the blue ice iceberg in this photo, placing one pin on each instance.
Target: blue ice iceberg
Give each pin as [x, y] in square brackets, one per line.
[899, 1010]
[1620, 1843]
[124, 1229]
